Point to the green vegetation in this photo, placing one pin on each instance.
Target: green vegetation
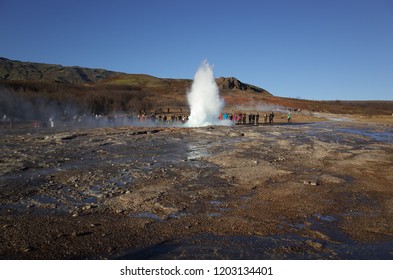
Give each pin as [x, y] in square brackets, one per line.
[137, 80]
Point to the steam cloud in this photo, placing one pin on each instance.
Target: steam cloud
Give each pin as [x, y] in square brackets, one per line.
[204, 100]
[60, 114]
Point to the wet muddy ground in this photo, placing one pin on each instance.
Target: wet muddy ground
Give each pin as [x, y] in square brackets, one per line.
[300, 191]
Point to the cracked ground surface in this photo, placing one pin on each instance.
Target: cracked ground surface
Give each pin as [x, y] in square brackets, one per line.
[301, 191]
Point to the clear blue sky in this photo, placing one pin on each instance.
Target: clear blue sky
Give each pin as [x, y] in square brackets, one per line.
[322, 50]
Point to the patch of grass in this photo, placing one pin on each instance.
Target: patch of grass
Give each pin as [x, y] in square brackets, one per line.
[138, 80]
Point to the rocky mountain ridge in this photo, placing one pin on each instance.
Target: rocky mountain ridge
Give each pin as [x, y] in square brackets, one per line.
[12, 70]
[30, 71]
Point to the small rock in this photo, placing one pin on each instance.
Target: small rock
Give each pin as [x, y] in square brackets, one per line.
[83, 233]
[75, 215]
[87, 207]
[311, 183]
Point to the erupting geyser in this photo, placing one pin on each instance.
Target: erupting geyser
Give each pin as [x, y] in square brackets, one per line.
[204, 100]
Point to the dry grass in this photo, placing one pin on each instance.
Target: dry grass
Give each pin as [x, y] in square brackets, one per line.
[136, 93]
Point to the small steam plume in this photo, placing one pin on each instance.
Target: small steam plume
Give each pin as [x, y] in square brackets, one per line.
[204, 100]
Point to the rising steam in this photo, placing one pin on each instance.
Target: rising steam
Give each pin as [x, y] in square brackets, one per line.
[204, 100]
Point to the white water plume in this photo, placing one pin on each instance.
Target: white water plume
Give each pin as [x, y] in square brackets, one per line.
[204, 100]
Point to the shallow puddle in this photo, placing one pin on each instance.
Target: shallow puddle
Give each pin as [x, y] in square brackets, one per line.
[147, 215]
[377, 135]
[325, 218]
[209, 246]
[45, 199]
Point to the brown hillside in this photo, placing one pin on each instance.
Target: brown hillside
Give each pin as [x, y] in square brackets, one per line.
[101, 91]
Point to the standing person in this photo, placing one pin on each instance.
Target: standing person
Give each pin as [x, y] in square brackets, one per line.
[272, 117]
[51, 121]
[289, 117]
[257, 119]
[265, 117]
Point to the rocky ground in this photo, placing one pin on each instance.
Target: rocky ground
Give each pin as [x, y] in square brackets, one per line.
[308, 190]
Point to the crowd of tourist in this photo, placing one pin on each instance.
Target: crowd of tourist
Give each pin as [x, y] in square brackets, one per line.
[88, 120]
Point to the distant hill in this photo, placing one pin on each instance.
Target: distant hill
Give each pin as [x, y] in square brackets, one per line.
[33, 89]
[28, 71]
[98, 91]
[235, 84]
[13, 70]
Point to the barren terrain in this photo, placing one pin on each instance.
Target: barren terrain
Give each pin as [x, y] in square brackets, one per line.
[318, 188]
